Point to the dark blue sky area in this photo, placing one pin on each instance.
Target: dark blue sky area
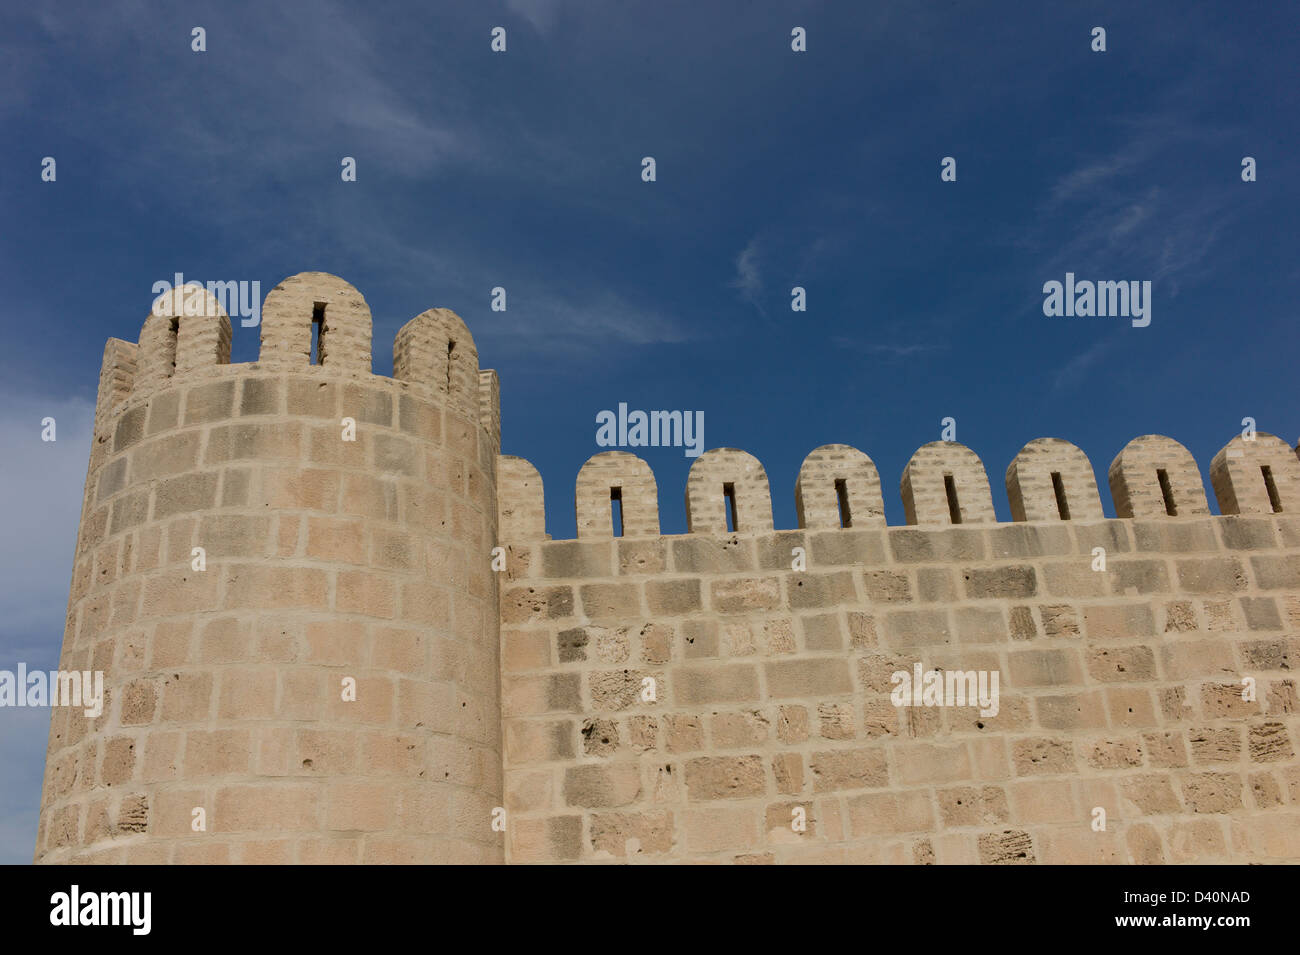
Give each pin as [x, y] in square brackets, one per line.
[775, 169]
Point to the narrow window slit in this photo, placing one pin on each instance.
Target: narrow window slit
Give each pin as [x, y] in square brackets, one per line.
[616, 509]
[1274, 499]
[1167, 492]
[318, 334]
[451, 356]
[173, 339]
[842, 496]
[729, 492]
[1058, 486]
[954, 509]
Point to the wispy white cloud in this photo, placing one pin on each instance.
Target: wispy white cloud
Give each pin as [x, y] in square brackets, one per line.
[1083, 181]
[1122, 215]
[749, 275]
[1075, 371]
[884, 348]
[550, 321]
[1153, 235]
[542, 316]
[404, 128]
[542, 14]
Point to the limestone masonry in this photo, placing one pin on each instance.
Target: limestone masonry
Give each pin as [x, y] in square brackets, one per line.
[718, 696]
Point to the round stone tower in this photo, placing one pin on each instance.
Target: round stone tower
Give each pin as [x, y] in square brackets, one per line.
[283, 572]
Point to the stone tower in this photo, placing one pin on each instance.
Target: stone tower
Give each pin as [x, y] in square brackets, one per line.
[258, 543]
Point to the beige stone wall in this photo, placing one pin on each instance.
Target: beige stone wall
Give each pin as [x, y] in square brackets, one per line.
[325, 559]
[1119, 688]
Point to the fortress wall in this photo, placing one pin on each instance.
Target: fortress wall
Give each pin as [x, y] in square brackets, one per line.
[325, 559]
[629, 696]
[1119, 688]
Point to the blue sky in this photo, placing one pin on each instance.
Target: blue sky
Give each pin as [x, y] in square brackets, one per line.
[774, 169]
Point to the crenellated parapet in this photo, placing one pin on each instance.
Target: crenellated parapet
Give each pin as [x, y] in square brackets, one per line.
[622, 480]
[1155, 476]
[1259, 476]
[1051, 479]
[337, 310]
[727, 490]
[521, 509]
[489, 404]
[435, 351]
[186, 330]
[312, 323]
[838, 486]
[116, 376]
[944, 484]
